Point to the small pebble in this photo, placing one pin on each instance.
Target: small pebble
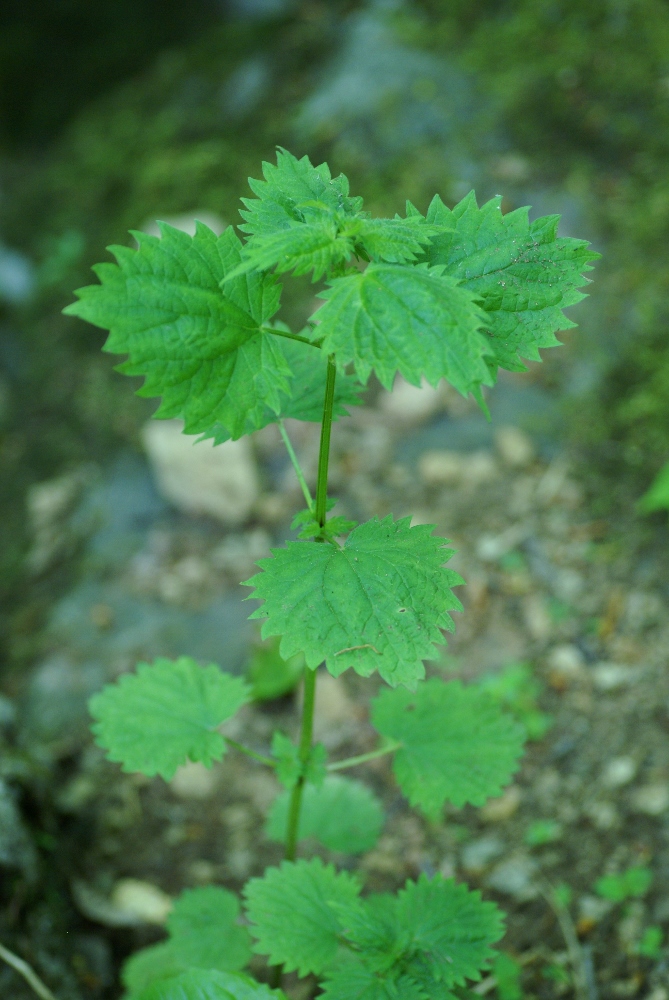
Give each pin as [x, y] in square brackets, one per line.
[565, 665]
[604, 815]
[503, 808]
[514, 446]
[193, 781]
[650, 799]
[141, 900]
[514, 877]
[613, 676]
[478, 854]
[619, 771]
[441, 468]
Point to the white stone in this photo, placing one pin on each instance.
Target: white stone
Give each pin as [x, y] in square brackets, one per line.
[566, 660]
[612, 676]
[514, 877]
[479, 853]
[479, 467]
[142, 901]
[489, 547]
[199, 478]
[410, 405]
[652, 800]
[441, 468]
[619, 771]
[193, 781]
[514, 446]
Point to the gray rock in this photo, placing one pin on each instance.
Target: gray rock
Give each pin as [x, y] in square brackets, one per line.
[514, 877]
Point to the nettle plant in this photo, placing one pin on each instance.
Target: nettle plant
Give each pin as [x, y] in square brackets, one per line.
[454, 295]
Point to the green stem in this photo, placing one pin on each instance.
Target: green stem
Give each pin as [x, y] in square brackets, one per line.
[295, 806]
[291, 336]
[307, 728]
[324, 451]
[250, 753]
[296, 465]
[339, 765]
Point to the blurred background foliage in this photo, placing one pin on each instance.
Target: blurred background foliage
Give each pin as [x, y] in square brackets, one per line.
[115, 114]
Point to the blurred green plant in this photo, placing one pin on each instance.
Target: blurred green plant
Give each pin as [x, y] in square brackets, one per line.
[542, 831]
[269, 675]
[651, 942]
[508, 971]
[633, 883]
[518, 690]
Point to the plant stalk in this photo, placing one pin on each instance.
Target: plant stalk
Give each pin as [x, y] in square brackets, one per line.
[339, 765]
[307, 725]
[296, 465]
[324, 451]
[291, 336]
[250, 753]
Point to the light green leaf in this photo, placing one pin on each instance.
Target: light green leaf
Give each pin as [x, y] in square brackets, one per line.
[317, 245]
[378, 603]
[458, 745]
[294, 191]
[205, 931]
[198, 344]
[344, 815]
[200, 984]
[289, 765]
[395, 241]
[633, 882]
[204, 934]
[292, 913]
[414, 320]
[657, 496]
[523, 274]
[306, 389]
[150, 965]
[166, 713]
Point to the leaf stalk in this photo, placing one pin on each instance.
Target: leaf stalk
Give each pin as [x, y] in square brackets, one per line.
[340, 765]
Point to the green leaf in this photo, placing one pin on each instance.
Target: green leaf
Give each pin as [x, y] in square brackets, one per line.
[269, 674]
[150, 965]
[657, 496]
[205, 932]
[377, 603]
[289, 765]
[414, 320]
[395, 241]
[432, 936]
[508, 973]
[201, 984]
[293, 916]
[317, 245]
[287, 756]
[521, 272]
[458, 746]
[166, 713]
[344, 815]
[294, 191]
[450, 927]
[354, 981]
[306, 389]
[198, 344]
[635, 881]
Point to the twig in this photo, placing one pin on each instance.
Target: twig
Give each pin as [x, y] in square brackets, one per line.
[28, 974]
[583, 983]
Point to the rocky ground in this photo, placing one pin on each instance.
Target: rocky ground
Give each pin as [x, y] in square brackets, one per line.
[564, 614]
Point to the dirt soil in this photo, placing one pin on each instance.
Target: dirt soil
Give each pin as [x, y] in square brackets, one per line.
[550, 583]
